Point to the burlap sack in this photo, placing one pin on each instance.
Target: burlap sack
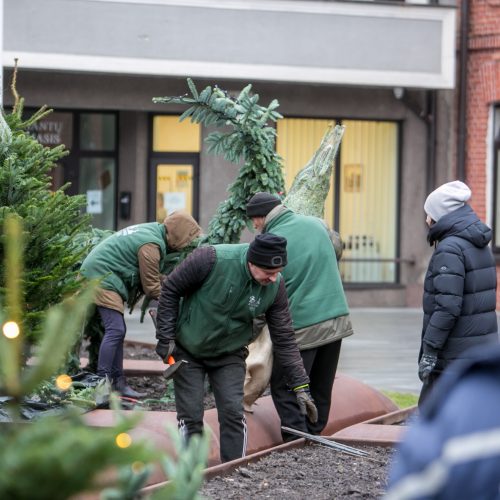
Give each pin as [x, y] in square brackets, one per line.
[259, 366]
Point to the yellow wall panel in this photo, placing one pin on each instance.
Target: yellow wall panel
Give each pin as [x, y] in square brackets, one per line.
[368, 189]
[368, 198]
[172, 136]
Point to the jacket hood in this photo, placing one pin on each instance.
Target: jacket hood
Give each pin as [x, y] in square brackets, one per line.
[181, 229]
[463, 223]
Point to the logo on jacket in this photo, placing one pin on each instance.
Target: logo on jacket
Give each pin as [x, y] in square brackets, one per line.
[253, 303]
[128, 230]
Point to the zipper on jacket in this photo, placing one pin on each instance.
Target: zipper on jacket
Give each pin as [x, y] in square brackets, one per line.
[234, 303]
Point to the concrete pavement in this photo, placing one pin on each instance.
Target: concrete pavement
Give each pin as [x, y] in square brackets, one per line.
[384, 348]
[381, 353]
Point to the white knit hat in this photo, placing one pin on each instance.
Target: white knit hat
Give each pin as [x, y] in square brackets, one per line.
[446, 199]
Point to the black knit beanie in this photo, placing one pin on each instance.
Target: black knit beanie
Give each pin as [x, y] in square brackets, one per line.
[267, 250]
[260, 204]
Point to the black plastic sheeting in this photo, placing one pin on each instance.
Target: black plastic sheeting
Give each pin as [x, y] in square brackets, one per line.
[31, 409]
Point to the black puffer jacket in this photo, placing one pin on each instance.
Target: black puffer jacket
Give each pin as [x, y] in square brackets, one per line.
[460, 287]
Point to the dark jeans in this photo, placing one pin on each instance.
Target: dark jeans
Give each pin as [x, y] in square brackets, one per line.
[226, 375]
[110, 362]
[321, 365]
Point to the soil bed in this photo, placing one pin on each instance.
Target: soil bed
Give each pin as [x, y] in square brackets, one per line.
[159, 392]
[312, 471]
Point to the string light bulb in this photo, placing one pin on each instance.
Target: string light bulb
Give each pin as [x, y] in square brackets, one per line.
[123, 440]
[63, 382]
[10, 329]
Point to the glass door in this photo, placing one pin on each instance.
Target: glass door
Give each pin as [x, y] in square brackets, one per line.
[173, 186]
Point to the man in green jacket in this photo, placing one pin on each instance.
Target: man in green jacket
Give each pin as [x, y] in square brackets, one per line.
[205, 316]
[131, 259]
[318, 306]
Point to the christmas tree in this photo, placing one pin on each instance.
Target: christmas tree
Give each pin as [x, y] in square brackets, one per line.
[59, 456]
[53, 222]
[251, 139]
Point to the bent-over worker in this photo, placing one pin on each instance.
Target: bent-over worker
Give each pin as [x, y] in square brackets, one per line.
[205, 316]
[131, 258]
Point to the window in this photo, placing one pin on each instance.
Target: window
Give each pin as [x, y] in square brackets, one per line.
[91, 165]
[97, 132]
[97, 179]
[363, 199]
[368, 201]
[97, 166]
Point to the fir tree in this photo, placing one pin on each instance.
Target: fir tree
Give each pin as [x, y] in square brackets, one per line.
[58, 456]
[251, 138]
[53, 221]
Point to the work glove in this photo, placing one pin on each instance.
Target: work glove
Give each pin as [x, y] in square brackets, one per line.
[306, 402]
[427, 363]
[164, 349]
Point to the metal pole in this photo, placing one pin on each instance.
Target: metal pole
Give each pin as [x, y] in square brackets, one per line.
[327, 442]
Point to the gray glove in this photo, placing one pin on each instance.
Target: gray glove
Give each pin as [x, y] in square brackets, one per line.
[164, 349]
[306, 403]
[427, 363]
[153, 304]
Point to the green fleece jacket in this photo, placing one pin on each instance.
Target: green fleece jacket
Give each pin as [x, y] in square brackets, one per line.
[311, 276]
[116, 257]
[218, 317]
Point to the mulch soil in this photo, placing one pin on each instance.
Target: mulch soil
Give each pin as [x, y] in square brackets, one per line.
[160, 392]
[310, 471]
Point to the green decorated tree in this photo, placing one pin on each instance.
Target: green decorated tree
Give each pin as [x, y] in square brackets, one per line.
[58, 456]
[53, 222]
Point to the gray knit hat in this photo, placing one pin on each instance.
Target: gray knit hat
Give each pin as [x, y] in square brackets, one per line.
[260, 204]
[446, 199]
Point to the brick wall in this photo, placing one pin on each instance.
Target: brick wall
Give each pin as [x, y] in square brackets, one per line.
[483, 91]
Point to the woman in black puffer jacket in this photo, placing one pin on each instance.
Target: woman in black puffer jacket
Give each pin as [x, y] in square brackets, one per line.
[460, 285]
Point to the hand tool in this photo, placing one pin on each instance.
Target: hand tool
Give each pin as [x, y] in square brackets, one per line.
[173, 365]
[327, 442]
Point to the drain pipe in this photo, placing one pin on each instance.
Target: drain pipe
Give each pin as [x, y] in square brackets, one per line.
[462, 103]
[431, 117]
[428, 116]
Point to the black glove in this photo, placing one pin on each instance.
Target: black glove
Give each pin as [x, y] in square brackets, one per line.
[306, 403]
[427, 363]
[164, 349]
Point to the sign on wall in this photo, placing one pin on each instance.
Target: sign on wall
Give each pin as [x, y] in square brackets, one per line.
[53, 130]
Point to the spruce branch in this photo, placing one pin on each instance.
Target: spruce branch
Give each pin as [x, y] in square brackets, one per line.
[250, 139]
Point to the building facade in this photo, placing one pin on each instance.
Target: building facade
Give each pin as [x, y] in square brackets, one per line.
[478, 157]
[385, 70]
